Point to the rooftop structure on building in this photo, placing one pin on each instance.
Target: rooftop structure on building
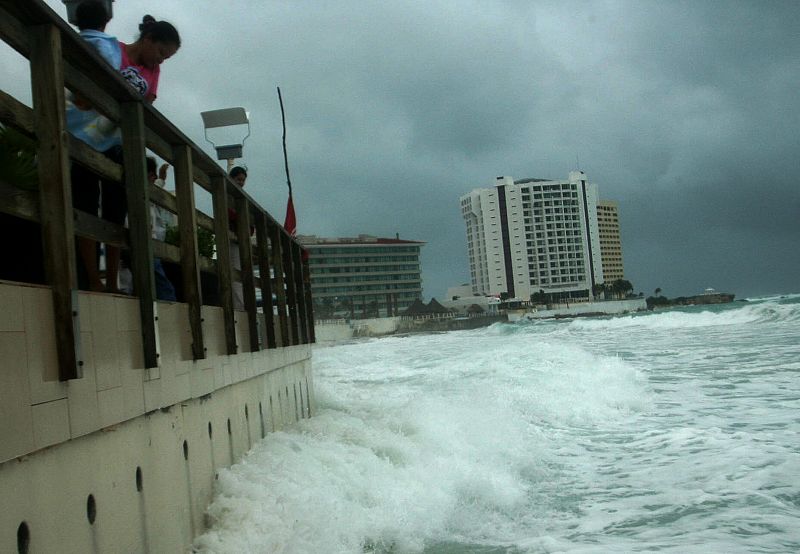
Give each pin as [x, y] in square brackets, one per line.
[364, 276]
[534, 235]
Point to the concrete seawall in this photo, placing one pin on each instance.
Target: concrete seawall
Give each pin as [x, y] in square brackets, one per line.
[341, 330]
[609, 307]
[124, 459]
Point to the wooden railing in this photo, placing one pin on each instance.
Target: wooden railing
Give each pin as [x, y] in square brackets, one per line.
[59, 58]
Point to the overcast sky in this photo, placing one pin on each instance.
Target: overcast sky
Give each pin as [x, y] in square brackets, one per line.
[685, 113]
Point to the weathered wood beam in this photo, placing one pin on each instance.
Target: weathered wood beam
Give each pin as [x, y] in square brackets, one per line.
[187, 225]
[138, 196]
[291, 290]
[100, 230]
[25, 205]
[246, 256]
[14, 32]
[94, 160]
[221, 232]
[163, 198]
[275, 233]
[96, 93]
[309, 298]
[19, 116]
[205, 221]
[15, 114]
[264, 269]
[171, 253]
[302, 313]
[19, 202]
[55, 194]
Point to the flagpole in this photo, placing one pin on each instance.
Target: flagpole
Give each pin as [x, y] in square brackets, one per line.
[290, 221]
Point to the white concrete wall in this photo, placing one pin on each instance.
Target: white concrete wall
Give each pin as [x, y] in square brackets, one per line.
[375, 326]
[332, 332]
[63, 441]
[610, 307]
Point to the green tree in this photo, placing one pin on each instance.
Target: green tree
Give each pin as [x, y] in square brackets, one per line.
[658, 291]
[18, 159]
[621, 287]
[539, 297]
[598, 289]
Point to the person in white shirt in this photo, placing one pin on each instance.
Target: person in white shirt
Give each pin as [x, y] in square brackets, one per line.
[160, 218]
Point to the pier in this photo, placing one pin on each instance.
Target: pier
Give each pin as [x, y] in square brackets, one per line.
[118, 411]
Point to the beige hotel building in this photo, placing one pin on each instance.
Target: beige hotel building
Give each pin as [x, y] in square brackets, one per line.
[531, 235]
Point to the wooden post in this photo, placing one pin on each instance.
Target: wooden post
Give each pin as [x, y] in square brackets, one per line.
[246, 255]
[302, 313]
[55, 195]
[275, 234]
[309, 299]
[220, 198]
[262, 237]
[291, 290]
[138, 196]
[187, 227]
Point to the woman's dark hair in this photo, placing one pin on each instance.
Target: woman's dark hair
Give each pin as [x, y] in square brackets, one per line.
[159, 31]
[91, 14]
[238, 170]
[151, 164]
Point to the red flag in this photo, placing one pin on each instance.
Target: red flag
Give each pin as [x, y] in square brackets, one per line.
[290, 223]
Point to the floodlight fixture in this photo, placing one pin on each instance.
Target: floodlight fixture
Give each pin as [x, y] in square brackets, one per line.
[72, 6]
[226, 117]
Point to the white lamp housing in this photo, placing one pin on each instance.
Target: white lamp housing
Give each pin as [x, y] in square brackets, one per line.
[226, 117]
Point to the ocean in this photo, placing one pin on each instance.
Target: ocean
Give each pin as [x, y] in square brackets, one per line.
[674, 431]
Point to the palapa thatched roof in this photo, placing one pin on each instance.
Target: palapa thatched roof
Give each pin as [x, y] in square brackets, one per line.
[416, 308]
[435, 308]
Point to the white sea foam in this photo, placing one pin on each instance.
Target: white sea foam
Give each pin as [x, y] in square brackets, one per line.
[583, 436]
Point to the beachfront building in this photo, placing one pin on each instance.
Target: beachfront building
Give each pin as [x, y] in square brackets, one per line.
[534, 235]
[364, 276]
[610, 241]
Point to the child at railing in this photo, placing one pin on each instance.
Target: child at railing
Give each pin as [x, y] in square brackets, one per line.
[239, 176]
[141, 67]
[139, 63]
[95, 130]
[160, 218]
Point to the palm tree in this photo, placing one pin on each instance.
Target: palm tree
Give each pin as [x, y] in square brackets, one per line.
[621, 287]
[18, 159]
[598, 289]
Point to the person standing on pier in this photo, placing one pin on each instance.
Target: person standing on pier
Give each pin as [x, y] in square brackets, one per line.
[92, 128]
[160, 219]
[141, 66]
[239, 176]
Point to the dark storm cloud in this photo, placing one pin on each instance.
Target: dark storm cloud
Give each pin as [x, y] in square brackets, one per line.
[686, 113]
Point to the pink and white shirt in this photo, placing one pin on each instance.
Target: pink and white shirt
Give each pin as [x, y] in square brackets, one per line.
[143, 79]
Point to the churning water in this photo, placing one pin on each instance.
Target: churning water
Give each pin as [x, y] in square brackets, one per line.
[675, 431]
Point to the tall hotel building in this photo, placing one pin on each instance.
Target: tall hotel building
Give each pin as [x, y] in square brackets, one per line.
[610, 242]
[534, 235]
[365, 276]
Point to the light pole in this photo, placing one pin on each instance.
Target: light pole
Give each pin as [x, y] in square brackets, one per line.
[226, 117]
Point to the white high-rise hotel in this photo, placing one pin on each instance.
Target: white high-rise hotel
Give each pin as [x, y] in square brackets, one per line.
[534, 235]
